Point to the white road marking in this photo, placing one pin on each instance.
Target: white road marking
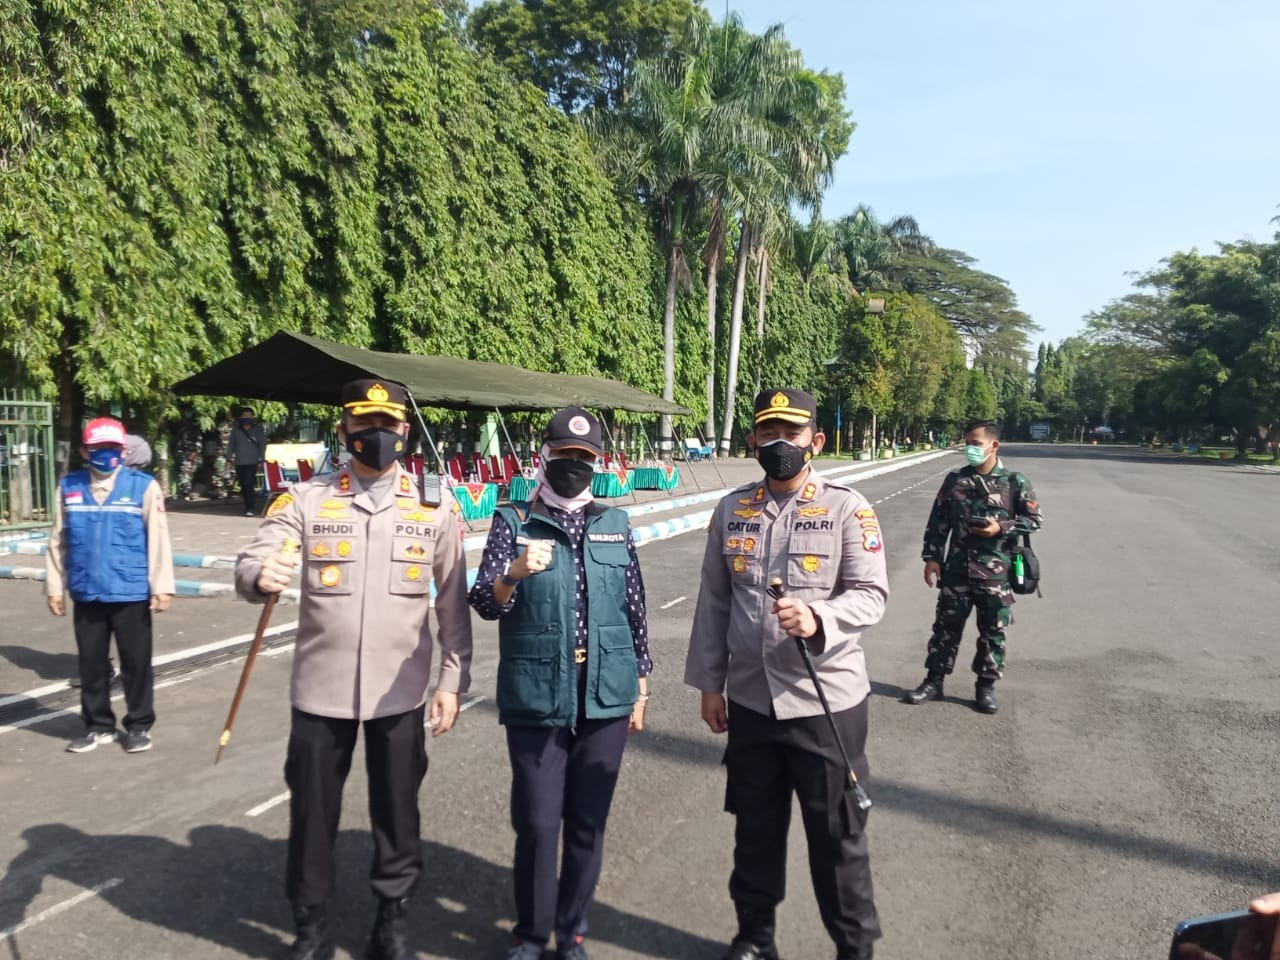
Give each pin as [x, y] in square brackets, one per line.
[264, 807]
[60, 908]
[55, 714]
[668, 606]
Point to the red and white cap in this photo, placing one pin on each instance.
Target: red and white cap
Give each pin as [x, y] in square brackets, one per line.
[103, 430]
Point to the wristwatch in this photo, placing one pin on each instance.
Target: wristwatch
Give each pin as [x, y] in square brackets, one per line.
[505, 580]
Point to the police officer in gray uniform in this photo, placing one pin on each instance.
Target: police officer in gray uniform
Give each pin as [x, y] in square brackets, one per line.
[369, 548]
[824, 541]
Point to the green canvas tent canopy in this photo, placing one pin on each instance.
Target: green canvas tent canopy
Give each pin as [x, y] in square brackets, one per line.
[293, 367]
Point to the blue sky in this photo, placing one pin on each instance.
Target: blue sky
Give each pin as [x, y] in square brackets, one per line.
[1062, 144]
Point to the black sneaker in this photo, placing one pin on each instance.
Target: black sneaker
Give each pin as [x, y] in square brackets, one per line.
[90, 741]
[136, 741]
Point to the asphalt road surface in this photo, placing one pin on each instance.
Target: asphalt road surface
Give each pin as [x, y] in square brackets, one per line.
[1130, 778]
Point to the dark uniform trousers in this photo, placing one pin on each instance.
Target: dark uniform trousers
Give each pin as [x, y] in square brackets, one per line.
[766, 759]
[248, 478]
[316, 769]
[94, 623]
[956, 597]
[561, 775]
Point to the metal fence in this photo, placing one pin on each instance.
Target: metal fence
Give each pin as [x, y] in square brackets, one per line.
[26, 462]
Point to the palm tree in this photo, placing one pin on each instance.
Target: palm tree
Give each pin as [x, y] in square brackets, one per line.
[658, 147]
[871, 248]
[786, 156]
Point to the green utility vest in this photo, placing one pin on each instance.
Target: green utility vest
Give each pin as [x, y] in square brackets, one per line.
[537, 678]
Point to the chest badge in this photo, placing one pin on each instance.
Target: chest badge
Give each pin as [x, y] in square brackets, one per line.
[331, 576]
[749, 544]
[344, 548]
[739, 564]
[413, 573]
[321, 549]
[809, 512]
[811, 564]
[746, 513]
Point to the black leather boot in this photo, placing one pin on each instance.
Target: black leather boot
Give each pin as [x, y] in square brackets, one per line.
[861, 953]
[755, 935]
[984, 697]
[388, 942]
[313, 943]
[931, 689]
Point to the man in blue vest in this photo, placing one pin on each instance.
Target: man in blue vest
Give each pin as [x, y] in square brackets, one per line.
[561, 577]
[109, 549]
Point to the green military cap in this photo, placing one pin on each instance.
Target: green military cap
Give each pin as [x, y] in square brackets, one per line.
[782, 403]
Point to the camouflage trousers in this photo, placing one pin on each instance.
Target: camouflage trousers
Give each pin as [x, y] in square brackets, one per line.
[188, 462]
[955, 599]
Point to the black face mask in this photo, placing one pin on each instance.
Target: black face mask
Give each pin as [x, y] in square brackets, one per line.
[377, 448]
[569, 477]
[782, 459]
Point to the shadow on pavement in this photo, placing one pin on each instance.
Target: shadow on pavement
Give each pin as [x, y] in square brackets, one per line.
[225, 887]
[46, 666]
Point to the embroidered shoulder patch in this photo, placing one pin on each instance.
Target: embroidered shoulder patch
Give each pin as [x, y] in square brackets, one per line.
[280, 505]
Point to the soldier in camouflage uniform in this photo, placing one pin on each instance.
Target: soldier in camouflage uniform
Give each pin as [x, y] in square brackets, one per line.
[982, 509]
[224, 470]
[188, 447]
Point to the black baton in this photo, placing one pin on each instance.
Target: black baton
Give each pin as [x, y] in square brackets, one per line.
[777, 591]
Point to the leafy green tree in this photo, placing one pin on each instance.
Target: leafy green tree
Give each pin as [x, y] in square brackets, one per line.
[583, 53]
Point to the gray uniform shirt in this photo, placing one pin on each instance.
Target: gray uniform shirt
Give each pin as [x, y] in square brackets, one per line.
[364, 645]
[825, 542]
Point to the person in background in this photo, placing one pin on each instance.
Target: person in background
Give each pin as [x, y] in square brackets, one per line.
[247, 450]
[109, 549]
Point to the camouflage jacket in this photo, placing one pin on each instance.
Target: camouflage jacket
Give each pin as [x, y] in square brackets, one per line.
[1001, 494]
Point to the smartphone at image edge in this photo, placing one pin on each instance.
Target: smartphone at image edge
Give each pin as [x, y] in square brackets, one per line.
[1239, 935]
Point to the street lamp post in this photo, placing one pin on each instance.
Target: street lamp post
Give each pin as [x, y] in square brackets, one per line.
[875, 305]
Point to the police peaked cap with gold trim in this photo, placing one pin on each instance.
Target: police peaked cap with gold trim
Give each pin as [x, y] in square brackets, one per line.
[363, 397]
[781, 403]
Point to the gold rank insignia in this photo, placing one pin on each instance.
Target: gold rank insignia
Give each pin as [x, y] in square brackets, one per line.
[746, 513]
[414, 573]
[749, 544]
[344, 548]
[406, 503]
[811, 564]
[405, 487]
[344, 483]
[321, 549]
[415, 550]
[808, 512]
[419, 516]
[809, 492]
[280, 505]
[331, 576]
[739, 564]
[734, 543]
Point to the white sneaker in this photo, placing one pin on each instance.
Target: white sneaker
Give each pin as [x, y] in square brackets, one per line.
[90, 741]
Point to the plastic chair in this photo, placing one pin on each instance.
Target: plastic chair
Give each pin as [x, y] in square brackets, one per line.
[457, 467]
[275, 482]
[305, 471]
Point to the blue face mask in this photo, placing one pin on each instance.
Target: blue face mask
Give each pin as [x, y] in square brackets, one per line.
[105, 459]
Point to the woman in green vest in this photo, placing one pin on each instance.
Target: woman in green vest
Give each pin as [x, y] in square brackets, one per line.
[561, 577]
